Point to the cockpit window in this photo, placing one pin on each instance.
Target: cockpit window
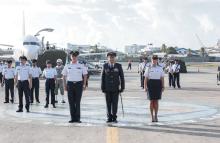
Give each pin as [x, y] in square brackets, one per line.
[31, 43]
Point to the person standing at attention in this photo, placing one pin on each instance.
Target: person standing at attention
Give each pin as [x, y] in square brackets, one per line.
[74, 78]
[154, 86]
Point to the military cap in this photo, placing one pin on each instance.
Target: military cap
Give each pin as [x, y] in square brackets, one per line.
[34, 61]
[9, 61]
[111, 54]
[48, 62]
[155, 57]
[74, 53]
[23, 58]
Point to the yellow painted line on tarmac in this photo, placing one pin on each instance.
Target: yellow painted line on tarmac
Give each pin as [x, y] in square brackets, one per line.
[112, 135]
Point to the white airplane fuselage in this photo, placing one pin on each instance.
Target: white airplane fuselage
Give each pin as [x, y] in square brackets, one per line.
[30, 48]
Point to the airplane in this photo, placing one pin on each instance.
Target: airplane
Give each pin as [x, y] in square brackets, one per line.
[30, 48]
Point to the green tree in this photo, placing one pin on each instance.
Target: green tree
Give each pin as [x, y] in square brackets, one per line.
[171, 50]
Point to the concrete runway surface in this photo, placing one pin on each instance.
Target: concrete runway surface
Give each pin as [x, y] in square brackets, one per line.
[190, 114]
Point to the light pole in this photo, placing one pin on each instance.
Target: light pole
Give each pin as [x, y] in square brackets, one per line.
[43, 30]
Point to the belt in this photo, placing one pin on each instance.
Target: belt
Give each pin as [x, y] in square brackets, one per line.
[75, 82]
[59, 78]
[10, 79]
[35, 77]
[49, 78]
[22, 80]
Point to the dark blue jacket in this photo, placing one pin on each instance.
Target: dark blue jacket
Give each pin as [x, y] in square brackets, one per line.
[112, 78]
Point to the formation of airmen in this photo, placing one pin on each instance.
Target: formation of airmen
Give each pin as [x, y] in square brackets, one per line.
[73, 78]
[172, 68]
[174, 73]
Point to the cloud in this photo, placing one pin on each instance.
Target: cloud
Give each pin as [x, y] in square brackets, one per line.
[115, 23]
[205, 23]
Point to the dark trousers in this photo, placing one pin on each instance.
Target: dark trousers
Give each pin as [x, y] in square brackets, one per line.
[74, 97]
[176, 80]
[35, 87]
[50, 87]
[170, 79]
[142, 79]
[129, 67]
[1, 77]
[9, 86]
[112, 104]
[23, 87]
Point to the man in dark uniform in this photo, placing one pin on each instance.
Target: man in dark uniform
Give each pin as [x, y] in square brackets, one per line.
[112, 84]
[74, 78]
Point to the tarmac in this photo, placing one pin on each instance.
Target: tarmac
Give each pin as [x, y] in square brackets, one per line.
[190, 114]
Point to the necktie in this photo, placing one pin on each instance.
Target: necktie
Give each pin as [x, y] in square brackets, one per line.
[111, 66]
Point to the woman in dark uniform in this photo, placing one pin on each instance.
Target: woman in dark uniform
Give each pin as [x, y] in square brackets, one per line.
[154, 86]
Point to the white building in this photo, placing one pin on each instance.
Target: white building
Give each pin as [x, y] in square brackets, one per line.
[134, 49]
[82, 48]
[138, 49]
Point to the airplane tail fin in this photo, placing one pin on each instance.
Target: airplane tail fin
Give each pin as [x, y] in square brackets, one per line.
[23, 25]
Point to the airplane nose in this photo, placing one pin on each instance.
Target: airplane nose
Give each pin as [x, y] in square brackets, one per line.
[31, 52]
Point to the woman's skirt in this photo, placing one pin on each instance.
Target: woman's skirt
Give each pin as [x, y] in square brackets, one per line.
[154, 89]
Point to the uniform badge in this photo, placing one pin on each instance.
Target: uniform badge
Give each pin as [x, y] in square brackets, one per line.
[116, 70]
[107, 70]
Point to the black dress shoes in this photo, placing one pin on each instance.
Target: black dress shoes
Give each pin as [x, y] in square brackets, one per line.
[19, 110]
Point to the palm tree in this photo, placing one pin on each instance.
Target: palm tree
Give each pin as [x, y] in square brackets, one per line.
[164, 48]
[189, 52]
[202, 51]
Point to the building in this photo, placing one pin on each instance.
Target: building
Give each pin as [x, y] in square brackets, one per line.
[140, 49]
[134, 49]
[184, 51]
[81, 48]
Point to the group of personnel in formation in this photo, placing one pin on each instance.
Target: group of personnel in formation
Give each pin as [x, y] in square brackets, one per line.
[73, 78]
[172, 67]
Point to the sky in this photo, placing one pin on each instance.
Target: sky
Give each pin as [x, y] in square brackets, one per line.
[114, 23]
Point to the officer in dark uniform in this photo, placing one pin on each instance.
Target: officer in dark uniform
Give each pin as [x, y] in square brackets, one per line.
[74, 78]
[112, 84]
